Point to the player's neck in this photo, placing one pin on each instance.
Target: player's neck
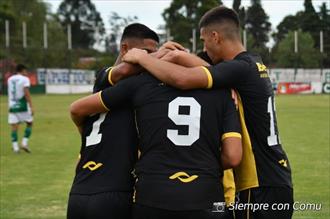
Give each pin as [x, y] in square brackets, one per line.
[232, 50]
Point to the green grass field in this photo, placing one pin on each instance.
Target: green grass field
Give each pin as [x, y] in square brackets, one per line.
[36, 185]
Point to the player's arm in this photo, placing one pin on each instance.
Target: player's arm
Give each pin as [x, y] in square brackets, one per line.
[101, 102]
[224, 74]
[170, 73]
[84, 107]
[231, 152]
[231, 149]
[27, 95]
[125, 69]
[121, 71]
[184, 58]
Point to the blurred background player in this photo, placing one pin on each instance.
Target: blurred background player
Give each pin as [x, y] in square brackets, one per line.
[20, 107]
[103, 185]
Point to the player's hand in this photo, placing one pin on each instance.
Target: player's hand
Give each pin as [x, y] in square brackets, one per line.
[160, 53]
[32, 111]
[172, 56]
[234, 96]
[172, 46]
[134, 55]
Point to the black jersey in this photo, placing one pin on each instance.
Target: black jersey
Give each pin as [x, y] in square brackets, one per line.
[108, 153]
[180, 137]
[264, 161]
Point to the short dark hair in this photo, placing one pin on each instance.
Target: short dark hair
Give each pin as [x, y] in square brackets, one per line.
[20, 67]
[219, 15]
[139, 31]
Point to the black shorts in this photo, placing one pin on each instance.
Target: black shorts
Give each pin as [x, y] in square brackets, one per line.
[107, 205]
[268, 203]
[145, 212]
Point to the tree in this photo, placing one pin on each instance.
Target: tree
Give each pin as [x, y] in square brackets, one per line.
[240, 11]
[85, 21]
[289, 23]
[310, 22]
[325, 27]
[117, 24]
[307, 56]
[257, 24]
[34, 13]
[183, 16]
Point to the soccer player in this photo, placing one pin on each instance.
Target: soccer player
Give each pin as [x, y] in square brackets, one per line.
[103, 185]
[187, 138]
[264, 175]
[20, 107]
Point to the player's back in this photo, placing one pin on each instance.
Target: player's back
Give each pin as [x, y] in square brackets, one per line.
[258, 105]
[180, 134]
[16, 96]
[108, 153]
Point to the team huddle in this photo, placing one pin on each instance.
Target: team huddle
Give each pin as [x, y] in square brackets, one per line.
[168, 134]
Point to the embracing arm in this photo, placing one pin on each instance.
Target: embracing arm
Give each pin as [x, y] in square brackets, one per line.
[231, 152]
[184, 58]
[175, 75]
[121, 71]
[84, 107]
[125, 69]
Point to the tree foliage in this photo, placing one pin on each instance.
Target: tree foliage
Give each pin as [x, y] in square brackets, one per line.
[117, 23]
[240, 11]
[307, 56]
[257, 24]
[183, 16]
[85, 21]
[309, 21]
[34, 13]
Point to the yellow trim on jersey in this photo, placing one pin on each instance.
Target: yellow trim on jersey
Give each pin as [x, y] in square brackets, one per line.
[186, 179]
[109, 76]
[231, 135]
[105, 107]
[246, 173]
[209, 77]
[91, 165]
[229, 186]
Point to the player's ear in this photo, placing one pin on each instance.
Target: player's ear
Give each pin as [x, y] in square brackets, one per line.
[124, 48]
[217, 37]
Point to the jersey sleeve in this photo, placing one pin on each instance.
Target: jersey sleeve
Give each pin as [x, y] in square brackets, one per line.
[231, 124]
[101, 79]
[122, 93]
[226, 74]
[26, 82]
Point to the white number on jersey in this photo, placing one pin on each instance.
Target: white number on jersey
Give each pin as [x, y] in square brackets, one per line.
[95, 137]
[192, 121]
[272, 139]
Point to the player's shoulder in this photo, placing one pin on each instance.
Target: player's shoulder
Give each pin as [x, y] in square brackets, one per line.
[11, 77]
[253, 60]
[26, 78]
[139, 79]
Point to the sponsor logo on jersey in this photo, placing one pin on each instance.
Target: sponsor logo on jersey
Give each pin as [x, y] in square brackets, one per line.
[91, 165]
[183, 177]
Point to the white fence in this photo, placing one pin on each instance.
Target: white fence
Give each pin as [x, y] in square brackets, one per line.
[65, 81]
[303, 81]
[285, 80]
[299, 75]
